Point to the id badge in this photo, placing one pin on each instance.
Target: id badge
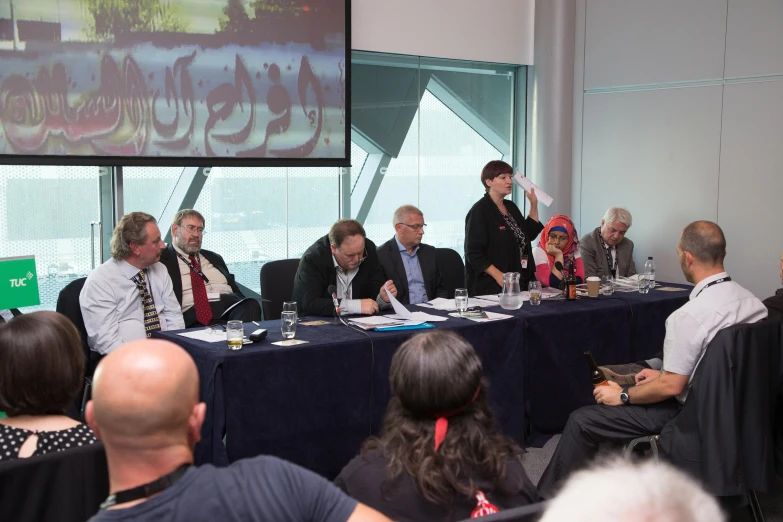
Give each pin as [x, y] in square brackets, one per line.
[523, 260]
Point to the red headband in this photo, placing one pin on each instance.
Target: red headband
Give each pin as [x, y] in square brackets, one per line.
[442, 422]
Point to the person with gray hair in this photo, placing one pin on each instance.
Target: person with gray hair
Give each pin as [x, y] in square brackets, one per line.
[606, 250]
[410, 263]
[623, 413]
[632, 493]
[130, 296]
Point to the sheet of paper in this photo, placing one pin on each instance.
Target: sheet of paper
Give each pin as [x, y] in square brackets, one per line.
[399, 309]
[526, 184]
[670, 289]
[207, 335]
[375, 320]
[419, 317]
[491, 316]
[290, 342]
[448, 304]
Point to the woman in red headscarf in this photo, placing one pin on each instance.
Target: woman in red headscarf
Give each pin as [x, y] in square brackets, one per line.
[439, 455]
[559, 242]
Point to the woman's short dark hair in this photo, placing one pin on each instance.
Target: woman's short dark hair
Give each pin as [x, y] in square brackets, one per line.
[492, 170]
[41, 364]
[433, 373]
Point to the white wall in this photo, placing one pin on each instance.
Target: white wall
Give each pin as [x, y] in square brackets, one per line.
[678, 115]
[499, 31]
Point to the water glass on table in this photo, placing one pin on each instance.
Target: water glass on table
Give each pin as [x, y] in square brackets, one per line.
[534, 289]
[461, 299]
[288, 324]
[644, 284]
[607, 284]
[234, 334]
[290, 306]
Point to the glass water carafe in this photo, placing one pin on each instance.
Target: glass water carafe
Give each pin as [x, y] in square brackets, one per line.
[511, 296]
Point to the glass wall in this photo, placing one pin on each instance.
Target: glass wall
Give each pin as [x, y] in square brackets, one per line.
[422, 129]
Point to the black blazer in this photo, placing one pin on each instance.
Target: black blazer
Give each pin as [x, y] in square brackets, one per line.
[488, 241]
[316, 272]
[393, 268]
[170, 260]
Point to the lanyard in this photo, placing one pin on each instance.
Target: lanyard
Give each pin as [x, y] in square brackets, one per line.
[196, 270]
[612, 266]
[145, 490]
[713, 283]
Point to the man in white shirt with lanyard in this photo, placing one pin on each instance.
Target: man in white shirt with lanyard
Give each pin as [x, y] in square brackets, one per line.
[202, 283]
[129, 296]
[624, 413]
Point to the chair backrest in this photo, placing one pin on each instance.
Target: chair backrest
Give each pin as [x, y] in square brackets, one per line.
[63, 486]
[724, 433]
[452, 269]
[529, 513]
[68, 305]
[277, 285]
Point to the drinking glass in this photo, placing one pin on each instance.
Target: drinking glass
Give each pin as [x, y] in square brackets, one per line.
[234, 334]
[534, 289]
[290, 306]
[288, 324]
[644, 284]
[461, 299]
[607, 284]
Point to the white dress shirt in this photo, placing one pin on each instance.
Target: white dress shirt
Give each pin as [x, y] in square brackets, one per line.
[690, 328]
[218, 283]
[348, 305]
[111, 305]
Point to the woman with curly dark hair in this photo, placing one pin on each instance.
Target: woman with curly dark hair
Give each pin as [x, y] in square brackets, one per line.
[439, 456]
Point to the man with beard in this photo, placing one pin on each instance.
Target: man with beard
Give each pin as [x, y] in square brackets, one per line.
[202, 283]
[130, 296]
[625, 413]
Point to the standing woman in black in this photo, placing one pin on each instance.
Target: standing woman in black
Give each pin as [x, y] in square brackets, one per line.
[498, 238]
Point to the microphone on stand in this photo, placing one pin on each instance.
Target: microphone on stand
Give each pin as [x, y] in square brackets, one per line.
[558, 265]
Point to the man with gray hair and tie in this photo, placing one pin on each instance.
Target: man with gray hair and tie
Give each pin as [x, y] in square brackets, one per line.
[606, 250]
[130, 296]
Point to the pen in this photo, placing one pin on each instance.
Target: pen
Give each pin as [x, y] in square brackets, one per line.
[255, 323]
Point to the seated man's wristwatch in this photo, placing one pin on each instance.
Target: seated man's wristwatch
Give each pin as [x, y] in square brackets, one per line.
[624, 396]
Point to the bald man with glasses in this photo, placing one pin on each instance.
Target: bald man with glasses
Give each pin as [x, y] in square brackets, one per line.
[410, 263]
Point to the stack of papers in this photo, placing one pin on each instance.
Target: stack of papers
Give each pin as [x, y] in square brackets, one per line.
[449, 305]
[491, 316]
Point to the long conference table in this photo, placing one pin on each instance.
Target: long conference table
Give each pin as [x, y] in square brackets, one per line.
[314, 404]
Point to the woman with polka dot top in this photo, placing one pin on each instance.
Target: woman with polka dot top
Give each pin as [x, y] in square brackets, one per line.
[41, 372]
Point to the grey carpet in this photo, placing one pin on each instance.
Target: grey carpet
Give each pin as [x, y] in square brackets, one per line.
[536, 460]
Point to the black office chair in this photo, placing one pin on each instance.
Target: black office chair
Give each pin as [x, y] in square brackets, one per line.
[68, 305]
[452, 269]
[724, 434]
[277, 285]
[529, 513]
[60, 487]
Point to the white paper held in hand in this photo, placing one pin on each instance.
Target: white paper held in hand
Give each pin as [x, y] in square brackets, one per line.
[526, 184]
[400, 312]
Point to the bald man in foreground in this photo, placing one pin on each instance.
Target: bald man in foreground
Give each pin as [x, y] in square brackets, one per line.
[145, 409]
[624, 413]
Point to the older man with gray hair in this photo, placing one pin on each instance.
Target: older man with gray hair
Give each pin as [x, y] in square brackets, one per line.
[130, 296]
[606, 250]
[410, 263]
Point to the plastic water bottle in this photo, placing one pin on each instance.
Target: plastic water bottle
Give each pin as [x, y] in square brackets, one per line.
[649, 269]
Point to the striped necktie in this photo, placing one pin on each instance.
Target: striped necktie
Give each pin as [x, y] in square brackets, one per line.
[151, 319]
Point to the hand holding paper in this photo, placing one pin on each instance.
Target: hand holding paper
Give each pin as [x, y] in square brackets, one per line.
[526, 184]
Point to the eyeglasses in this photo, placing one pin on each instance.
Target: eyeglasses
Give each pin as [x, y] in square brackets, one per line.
[415, 227]
[193, 228]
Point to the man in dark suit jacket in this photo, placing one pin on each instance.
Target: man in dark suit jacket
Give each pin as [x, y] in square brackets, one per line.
[410, 263]
[606, 250]
[348, 260]
[202, 283]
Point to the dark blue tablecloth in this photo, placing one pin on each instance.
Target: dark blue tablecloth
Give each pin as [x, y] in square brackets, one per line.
[314, 404]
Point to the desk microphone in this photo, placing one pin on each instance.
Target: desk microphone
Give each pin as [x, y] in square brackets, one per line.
[333, 292]
[558, 265]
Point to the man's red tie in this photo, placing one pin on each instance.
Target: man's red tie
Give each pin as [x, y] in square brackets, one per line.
[200, 299]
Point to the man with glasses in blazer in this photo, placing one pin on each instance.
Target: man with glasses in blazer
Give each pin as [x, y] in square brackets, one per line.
[348, 260]
[410, 263]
